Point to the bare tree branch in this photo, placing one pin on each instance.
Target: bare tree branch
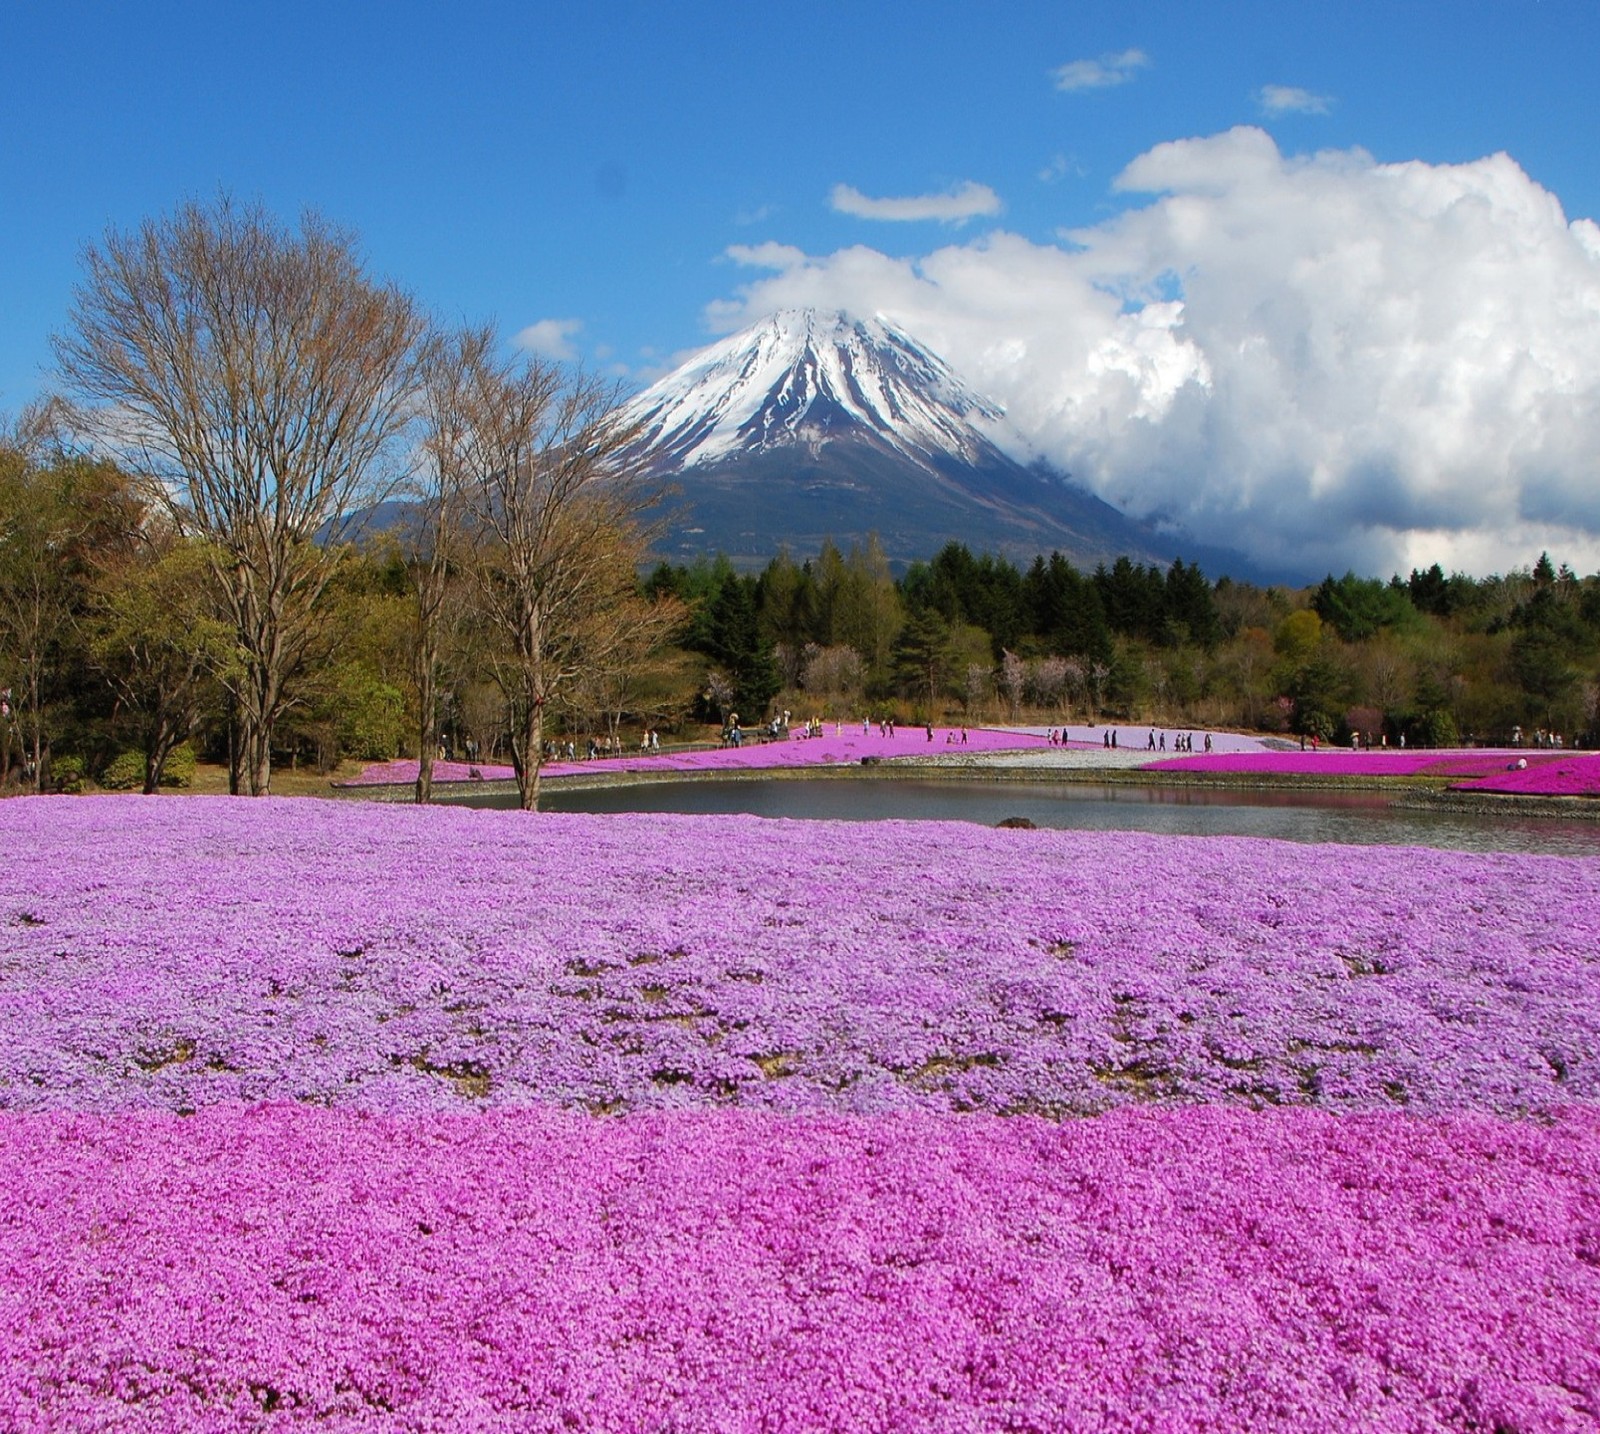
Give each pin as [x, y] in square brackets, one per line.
[256, 379]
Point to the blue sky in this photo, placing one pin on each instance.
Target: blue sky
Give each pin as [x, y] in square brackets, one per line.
[623, 182]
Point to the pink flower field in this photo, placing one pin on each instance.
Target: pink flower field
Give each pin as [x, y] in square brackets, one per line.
[846, 749]
[339, 1115]
[1560, 774]
[1546, 773]
[286, 1266]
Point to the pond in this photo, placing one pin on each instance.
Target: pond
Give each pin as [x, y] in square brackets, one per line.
[1361, 818]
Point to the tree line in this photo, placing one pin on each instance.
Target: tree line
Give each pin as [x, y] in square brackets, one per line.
[120, 658]
[1437, 659]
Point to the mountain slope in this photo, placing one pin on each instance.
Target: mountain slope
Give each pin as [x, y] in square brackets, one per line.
[816, 425]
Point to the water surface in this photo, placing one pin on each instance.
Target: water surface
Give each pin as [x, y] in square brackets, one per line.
[1360, 818]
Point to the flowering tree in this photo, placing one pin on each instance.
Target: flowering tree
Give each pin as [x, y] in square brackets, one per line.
[1047, 681]
[1013, 680]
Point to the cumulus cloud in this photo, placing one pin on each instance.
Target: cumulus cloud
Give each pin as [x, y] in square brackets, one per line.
[1102, 74]
[550, 338]
[1289, 99]
[1328, 361]
[955, 206]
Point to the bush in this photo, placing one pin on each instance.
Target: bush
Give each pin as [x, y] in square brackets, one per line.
[1438, 729]
[66, 774]
[178, 769]
[371, 717]
[124, 773]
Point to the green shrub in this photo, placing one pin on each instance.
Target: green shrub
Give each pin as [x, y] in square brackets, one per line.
[371, 719]
[124, 773]
[1438, 729]
[178, 769]
[67, 774]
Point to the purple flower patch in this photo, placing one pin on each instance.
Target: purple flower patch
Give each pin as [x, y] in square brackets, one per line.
[1559, 774]
[175, 953]
[301, 1125]
[1336, 762]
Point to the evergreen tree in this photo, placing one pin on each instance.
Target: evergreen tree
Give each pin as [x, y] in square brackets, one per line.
[734, 641]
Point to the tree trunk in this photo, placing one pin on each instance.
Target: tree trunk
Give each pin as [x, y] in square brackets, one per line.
[527, 754]
[428, 725]
[255, 757]
[164, 737]
[38, 737]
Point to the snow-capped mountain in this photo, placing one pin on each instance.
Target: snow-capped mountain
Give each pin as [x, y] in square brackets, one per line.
[812, 426]
[804, 378]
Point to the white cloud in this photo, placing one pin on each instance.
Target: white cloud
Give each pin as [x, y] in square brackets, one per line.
[770, 255]
[965, 201]
[1289, 99]
[1326, 360]
[550, 338]
[1061, 166]
[1101, 74]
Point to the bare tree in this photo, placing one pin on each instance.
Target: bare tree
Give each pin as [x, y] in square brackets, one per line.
[622, 679]
[836, 671]
[255, 378]
[980, 677]
[434, 546]
[1389, 675]
[1075, 675]
[551, 496]
[1098, 674]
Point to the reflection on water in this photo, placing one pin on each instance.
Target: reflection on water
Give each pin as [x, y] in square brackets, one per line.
[1363, 818]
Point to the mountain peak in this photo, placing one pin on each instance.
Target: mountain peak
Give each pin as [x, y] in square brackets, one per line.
[808, 377]
[815, 424]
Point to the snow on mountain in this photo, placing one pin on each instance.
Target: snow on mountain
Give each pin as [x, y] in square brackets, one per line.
[803, 377]
[813, 426]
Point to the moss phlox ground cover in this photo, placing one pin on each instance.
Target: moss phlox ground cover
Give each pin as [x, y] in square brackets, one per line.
[337, 1115]
[1531, 773]
[397, 959]
[845, 746]
[1560, 775]
[280, 1265]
